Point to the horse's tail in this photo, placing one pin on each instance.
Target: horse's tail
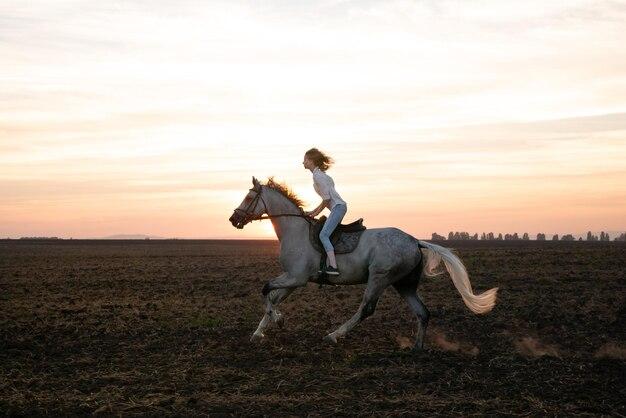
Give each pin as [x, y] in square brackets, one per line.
[433, 253]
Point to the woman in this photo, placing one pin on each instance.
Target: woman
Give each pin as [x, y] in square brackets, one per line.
[318, 163]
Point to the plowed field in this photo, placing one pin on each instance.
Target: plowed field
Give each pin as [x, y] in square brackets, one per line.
[163, 328]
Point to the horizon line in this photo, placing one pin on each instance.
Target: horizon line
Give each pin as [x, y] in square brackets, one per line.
[157, 237]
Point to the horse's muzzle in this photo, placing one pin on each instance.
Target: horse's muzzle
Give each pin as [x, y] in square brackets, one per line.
[237, 220]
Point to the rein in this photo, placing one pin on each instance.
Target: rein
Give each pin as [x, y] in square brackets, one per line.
[250, 218]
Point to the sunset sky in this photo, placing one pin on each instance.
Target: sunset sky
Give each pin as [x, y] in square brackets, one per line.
[151, 117]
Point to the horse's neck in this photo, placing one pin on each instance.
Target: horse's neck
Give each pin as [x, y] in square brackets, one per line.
[287, 228]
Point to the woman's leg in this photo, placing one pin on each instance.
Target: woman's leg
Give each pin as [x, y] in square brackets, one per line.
[335, 217]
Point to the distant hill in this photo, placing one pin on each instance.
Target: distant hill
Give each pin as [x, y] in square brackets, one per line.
[131, 236]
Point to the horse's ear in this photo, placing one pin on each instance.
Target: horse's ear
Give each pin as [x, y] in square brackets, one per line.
[256, 183]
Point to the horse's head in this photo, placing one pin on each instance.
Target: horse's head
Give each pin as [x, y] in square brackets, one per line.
[251, 207]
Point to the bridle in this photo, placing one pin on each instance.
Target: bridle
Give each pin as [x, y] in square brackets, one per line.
[249, 217]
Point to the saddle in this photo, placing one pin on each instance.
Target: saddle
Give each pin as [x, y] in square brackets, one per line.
[344, 238]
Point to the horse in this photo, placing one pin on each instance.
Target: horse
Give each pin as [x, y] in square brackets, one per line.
[383, 257]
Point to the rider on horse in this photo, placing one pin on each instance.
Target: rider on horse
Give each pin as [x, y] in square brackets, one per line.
[318, 163]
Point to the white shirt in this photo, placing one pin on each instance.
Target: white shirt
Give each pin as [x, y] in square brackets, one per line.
[325, 187]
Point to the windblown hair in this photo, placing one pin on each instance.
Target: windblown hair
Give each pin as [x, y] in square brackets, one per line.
[320, 159]
[285, 191]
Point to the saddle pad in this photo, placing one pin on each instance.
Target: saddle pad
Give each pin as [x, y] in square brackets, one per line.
[343, 242]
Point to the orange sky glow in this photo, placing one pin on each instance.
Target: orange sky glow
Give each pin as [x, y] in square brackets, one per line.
[152, 117]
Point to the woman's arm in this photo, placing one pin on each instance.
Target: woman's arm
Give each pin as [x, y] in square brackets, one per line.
[319, 208]
[324, 190]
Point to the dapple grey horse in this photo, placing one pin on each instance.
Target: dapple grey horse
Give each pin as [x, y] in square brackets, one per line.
[383, 257]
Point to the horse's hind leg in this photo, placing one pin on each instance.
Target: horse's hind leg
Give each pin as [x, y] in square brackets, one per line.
[375, 287]
[271, 312]
[407, 289]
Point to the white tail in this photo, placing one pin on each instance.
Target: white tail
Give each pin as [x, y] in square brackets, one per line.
[433, 253]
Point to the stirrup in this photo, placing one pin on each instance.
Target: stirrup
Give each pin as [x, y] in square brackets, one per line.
[332, 271]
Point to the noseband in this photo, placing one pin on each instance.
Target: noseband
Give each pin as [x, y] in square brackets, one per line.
[249, 217]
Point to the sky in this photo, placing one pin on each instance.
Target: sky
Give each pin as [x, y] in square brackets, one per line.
[151, 117]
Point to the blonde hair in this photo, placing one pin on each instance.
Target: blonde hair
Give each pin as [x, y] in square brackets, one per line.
[321, 160]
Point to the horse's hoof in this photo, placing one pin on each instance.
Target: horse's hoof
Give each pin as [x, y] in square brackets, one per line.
[421, 350]
[330, 338]
[418, 347]
[280, 321]
[257, 337]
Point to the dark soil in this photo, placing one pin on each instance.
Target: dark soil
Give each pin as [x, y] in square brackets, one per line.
[163, 328]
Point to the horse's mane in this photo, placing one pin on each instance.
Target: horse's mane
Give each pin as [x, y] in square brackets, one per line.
[285, 191]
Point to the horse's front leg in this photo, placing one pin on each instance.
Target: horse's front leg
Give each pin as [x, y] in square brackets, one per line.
[285, 281]
[272, 300]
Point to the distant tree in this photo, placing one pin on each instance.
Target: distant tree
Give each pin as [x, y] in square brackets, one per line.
[621, 237]
[555, 237]
[460, 235]
[437, 237]
[515, 237]
[490, 236]
[541, 237]
[580, 238]
[568, 237]
[483, 236]
[500, 237]
[475, 236]
[450, 235]
[525, 237]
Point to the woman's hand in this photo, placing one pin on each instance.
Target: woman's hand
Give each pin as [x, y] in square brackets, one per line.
[317, 210]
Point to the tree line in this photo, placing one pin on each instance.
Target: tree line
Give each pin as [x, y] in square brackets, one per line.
[490, 236]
